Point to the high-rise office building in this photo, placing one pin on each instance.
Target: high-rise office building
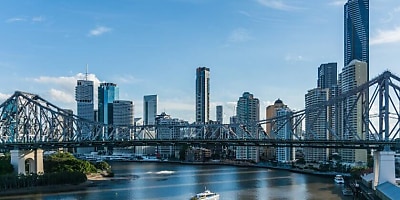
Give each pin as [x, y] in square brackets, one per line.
[107, 93]
[284, 154]
[316, 121]
[202, 94]
[123, 112]
[248, 114]
[84, 98]
[327, 75]
[149, 109]
[270, 112]
[354, 115]
[220, 114]
[356, 31]
[169, 129]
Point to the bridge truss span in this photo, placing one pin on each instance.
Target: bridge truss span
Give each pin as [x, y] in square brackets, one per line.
[29, 121]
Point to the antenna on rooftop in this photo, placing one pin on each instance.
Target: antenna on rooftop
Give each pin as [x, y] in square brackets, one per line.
[86, 74]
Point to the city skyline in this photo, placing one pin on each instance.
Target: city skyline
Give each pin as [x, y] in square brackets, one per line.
[248, 46]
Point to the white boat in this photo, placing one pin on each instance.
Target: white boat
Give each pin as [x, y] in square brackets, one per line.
[206, 195]
[339, 179]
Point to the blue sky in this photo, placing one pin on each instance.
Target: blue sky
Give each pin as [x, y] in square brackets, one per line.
[271, 48]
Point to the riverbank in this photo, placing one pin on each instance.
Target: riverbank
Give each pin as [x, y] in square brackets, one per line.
[22, 192]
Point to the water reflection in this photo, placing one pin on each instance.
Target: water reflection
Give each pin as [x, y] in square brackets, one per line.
[171, 181]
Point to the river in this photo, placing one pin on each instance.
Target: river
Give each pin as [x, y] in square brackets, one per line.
[165, 181]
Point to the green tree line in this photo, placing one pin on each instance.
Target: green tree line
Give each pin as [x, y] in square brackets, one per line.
[60, 168]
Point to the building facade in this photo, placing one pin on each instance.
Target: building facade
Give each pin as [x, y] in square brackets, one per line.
[123, 115]
[170, 128]
[84, 98]
[202, 95]
[327, 75]
[356, 31]
[284, 132]
[107, 93]
[220, 114]
[354, 110]
[316, 122]
[248, 114]
[268, 153]
[150, 109]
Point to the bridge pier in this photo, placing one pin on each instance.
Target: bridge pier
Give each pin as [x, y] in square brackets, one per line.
[384, 168]
[33, 158]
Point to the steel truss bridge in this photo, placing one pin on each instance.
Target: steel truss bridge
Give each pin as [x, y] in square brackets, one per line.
[28, 121]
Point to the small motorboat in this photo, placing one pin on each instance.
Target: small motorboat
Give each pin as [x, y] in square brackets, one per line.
[206, 195]
[339, 179]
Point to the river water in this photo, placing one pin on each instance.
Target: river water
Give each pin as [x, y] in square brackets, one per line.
[165, 181]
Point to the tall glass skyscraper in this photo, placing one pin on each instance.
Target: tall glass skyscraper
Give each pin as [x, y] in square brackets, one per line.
[149, 109]
[202, 94]
[327, 75]
[107, 93]
[356, 31]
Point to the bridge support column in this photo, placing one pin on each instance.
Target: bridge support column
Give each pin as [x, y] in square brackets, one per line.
[34, 159]
[384, 169]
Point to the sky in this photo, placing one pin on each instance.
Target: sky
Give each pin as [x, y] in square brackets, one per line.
[270, 48]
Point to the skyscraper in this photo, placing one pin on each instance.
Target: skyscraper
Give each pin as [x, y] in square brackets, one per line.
[284, 154]
[149, 109]
[107, 93]
[220, 114]
[248, 114]
[169, 129]
[202, 94]
[327, 75]
[317, 126]
[354, 113]
[84, 99]
[356, 31]
[123, 112]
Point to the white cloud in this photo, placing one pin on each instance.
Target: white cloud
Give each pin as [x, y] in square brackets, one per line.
[338, 2]
[38, 19]
[239, 35]
[391, 15]
[294, 58]
[100, 30]
[4, 97]
[15, 19]
[386, 36]
[276, 4]
[61, 96]
[61, 90]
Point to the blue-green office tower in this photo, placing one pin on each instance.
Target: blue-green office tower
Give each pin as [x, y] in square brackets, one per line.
[356, 31]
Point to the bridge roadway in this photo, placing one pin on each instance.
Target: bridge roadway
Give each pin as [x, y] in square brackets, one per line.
[337, 144]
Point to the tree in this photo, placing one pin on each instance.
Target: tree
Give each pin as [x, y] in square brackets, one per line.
[5, 165]
[182, 152]
[356, 172]
[66, 162]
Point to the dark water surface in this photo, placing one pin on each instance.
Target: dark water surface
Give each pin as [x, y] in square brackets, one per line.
[164, 181]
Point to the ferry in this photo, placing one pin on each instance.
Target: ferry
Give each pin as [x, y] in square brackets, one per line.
[339, 179]
[206, 195]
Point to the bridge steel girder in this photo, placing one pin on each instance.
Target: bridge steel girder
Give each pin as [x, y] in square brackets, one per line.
[29, 120]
